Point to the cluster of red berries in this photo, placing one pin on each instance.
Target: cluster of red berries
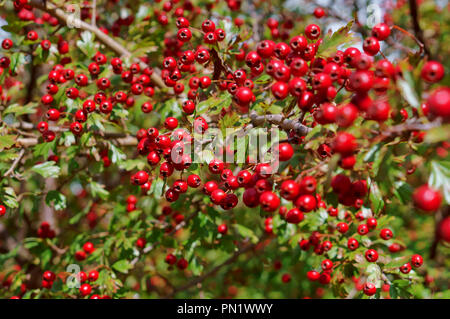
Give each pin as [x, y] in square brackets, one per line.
[181, 263]
[45, 231]
[297, 71]
[88, 248]
[47, 279]
[138, 79]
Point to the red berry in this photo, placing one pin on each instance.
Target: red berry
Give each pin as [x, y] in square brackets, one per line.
[439, 103]
[88, 247]
[7, 44]
[285, 152]
[193, 181]
[184, 35]
[371, 223]
[269, 201]
[312, 31]
[32, 35]
[294, 216]
[363, 229]
[406, 268]
[369, 289]
[319, 12]
[93, 275]
[371, 255]
[386, 234]
[171, 123]
[286, 278]
[381, 31]
[327, 264]
[182, 264]
[85, 289]
[427, 199]
[342, 227]
[306, 203]
[444, 229]
[171, 259]
[416, 261]
[344, 143]
[244, 96]
[49, 276]
[432, 72]
[352, 244]
[313, 275]
[222, 229]
[280, 90]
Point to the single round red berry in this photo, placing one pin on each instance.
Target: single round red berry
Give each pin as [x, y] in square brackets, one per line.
[427, 199]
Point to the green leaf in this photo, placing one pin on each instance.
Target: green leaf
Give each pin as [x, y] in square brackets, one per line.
[440, 178]
[67, 138]
[6, 141]
[246, 232]
[16, 25]
[98, 189]
[438, 134]
[46, 256]
[56, 199]
[403, 191]
[341, 38]
[214, 104]
[397, 262]
[117, 155]
[86, 44]
[96, 120]
[375, 197]
[9, 255]
[9, 197]
[31, 242]
[132, 164]
[157, 187]
[43, 149]
[47, 169]
[374, 274]
[122, 266]
[18, 110]
[17, 59]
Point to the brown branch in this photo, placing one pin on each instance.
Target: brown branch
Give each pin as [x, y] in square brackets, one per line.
[94, 12]
[59, 251]
[281, 121]
[123, 140]
[15, 163]
[32, 83]
[214, 270]
[176, 228]
[417, 29]
[410, 126]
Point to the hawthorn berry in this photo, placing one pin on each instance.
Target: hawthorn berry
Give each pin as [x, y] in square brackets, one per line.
[371, 255]
[432, 72]
[2, 210]
[85, 290]
[369, 289]
[427, 199]
[416, 261]
[406, 268]
[386, 234]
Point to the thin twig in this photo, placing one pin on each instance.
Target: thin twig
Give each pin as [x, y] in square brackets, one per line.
[213, 271]
[416, 25]
[94, 12]
[176, 228]
[15, 163]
